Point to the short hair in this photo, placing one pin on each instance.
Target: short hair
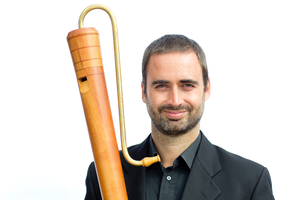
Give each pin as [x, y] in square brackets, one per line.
[170, 44]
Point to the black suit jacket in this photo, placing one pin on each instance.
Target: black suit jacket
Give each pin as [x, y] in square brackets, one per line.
[215, 175]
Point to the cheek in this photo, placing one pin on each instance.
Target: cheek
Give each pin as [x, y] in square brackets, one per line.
[155, 100]
[194, 99]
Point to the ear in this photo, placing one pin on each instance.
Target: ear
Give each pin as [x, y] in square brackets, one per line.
[208, 90]
[143, 92]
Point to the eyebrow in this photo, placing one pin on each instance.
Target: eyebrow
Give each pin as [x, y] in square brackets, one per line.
[189, 81]
[181, 81]
[160, 82]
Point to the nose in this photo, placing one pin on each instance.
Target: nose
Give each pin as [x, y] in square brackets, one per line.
[175, 97]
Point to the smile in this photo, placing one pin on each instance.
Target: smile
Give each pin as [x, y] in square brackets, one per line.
[174, 114]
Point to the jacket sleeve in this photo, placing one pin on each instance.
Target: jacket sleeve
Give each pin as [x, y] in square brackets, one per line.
[263, 189]
[92, 185]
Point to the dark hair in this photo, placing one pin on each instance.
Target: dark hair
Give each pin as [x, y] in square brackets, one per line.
[174, 43]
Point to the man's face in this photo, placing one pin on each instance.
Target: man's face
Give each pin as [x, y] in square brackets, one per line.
[175, 92]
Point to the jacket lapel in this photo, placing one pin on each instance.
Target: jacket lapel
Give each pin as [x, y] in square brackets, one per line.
[200, 185]
[135, 180]
[135, 177]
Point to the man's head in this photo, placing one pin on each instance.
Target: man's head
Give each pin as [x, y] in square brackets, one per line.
[174, 43]
[175, 84]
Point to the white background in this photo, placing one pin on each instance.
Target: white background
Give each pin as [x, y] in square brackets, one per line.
[252, 50]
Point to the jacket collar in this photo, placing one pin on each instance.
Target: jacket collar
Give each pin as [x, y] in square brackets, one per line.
[200, 184]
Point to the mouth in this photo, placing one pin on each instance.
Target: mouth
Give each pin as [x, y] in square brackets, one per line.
[174, 114]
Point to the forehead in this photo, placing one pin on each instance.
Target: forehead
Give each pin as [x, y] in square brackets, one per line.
[174, 65]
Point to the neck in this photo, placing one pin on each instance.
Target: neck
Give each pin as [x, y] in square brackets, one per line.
[170, 147]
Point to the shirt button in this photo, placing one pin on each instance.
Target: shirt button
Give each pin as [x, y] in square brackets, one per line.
[169, 178]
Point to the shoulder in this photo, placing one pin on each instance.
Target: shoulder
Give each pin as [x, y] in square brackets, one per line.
[239, 170]
[223, 165]
[138, 151]
[228, 159]
[243, 175]
[212, 155]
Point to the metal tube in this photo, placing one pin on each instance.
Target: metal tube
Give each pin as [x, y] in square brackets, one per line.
[146, 161]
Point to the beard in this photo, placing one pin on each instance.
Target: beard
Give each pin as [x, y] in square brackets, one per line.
[175, 127]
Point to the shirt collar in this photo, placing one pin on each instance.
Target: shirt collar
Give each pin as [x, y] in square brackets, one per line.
[188, 155]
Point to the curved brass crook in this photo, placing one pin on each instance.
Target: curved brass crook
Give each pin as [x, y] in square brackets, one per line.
[148, 160]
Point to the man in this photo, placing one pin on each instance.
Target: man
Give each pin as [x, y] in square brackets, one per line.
[175, 86]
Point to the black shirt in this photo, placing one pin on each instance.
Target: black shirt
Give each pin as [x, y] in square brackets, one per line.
[168, 183]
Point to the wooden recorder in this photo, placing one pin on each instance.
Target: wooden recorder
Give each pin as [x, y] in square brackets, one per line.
[86, 55]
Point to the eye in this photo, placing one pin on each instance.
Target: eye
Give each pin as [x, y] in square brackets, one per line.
[188, 86]
[160, 86]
